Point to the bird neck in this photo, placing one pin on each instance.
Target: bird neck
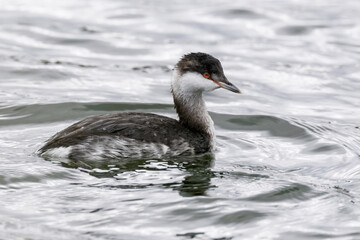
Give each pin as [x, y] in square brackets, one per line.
[191, 108]
[193, 114]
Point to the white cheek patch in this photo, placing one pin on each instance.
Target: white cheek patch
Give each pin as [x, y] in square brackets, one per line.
[192, 82]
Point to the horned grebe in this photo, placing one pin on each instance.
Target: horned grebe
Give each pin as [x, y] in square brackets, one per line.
[143, 135]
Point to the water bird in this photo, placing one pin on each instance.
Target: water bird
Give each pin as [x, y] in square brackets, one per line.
[146, 135]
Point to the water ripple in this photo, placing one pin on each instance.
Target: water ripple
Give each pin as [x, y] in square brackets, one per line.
[287, 159]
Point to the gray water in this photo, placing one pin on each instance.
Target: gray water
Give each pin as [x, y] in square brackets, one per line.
[287, 164]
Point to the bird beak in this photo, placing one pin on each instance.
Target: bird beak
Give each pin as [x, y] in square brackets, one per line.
[224, 83]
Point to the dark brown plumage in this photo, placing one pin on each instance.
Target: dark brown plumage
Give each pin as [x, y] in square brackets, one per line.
[145, 127]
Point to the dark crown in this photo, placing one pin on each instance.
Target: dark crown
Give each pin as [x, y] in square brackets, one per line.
[199, 62]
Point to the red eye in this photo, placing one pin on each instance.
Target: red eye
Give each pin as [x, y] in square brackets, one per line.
[206, 75]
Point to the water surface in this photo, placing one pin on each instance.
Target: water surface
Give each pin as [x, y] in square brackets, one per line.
[288, 148]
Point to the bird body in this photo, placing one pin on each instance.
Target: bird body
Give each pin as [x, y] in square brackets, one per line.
[126, 135]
